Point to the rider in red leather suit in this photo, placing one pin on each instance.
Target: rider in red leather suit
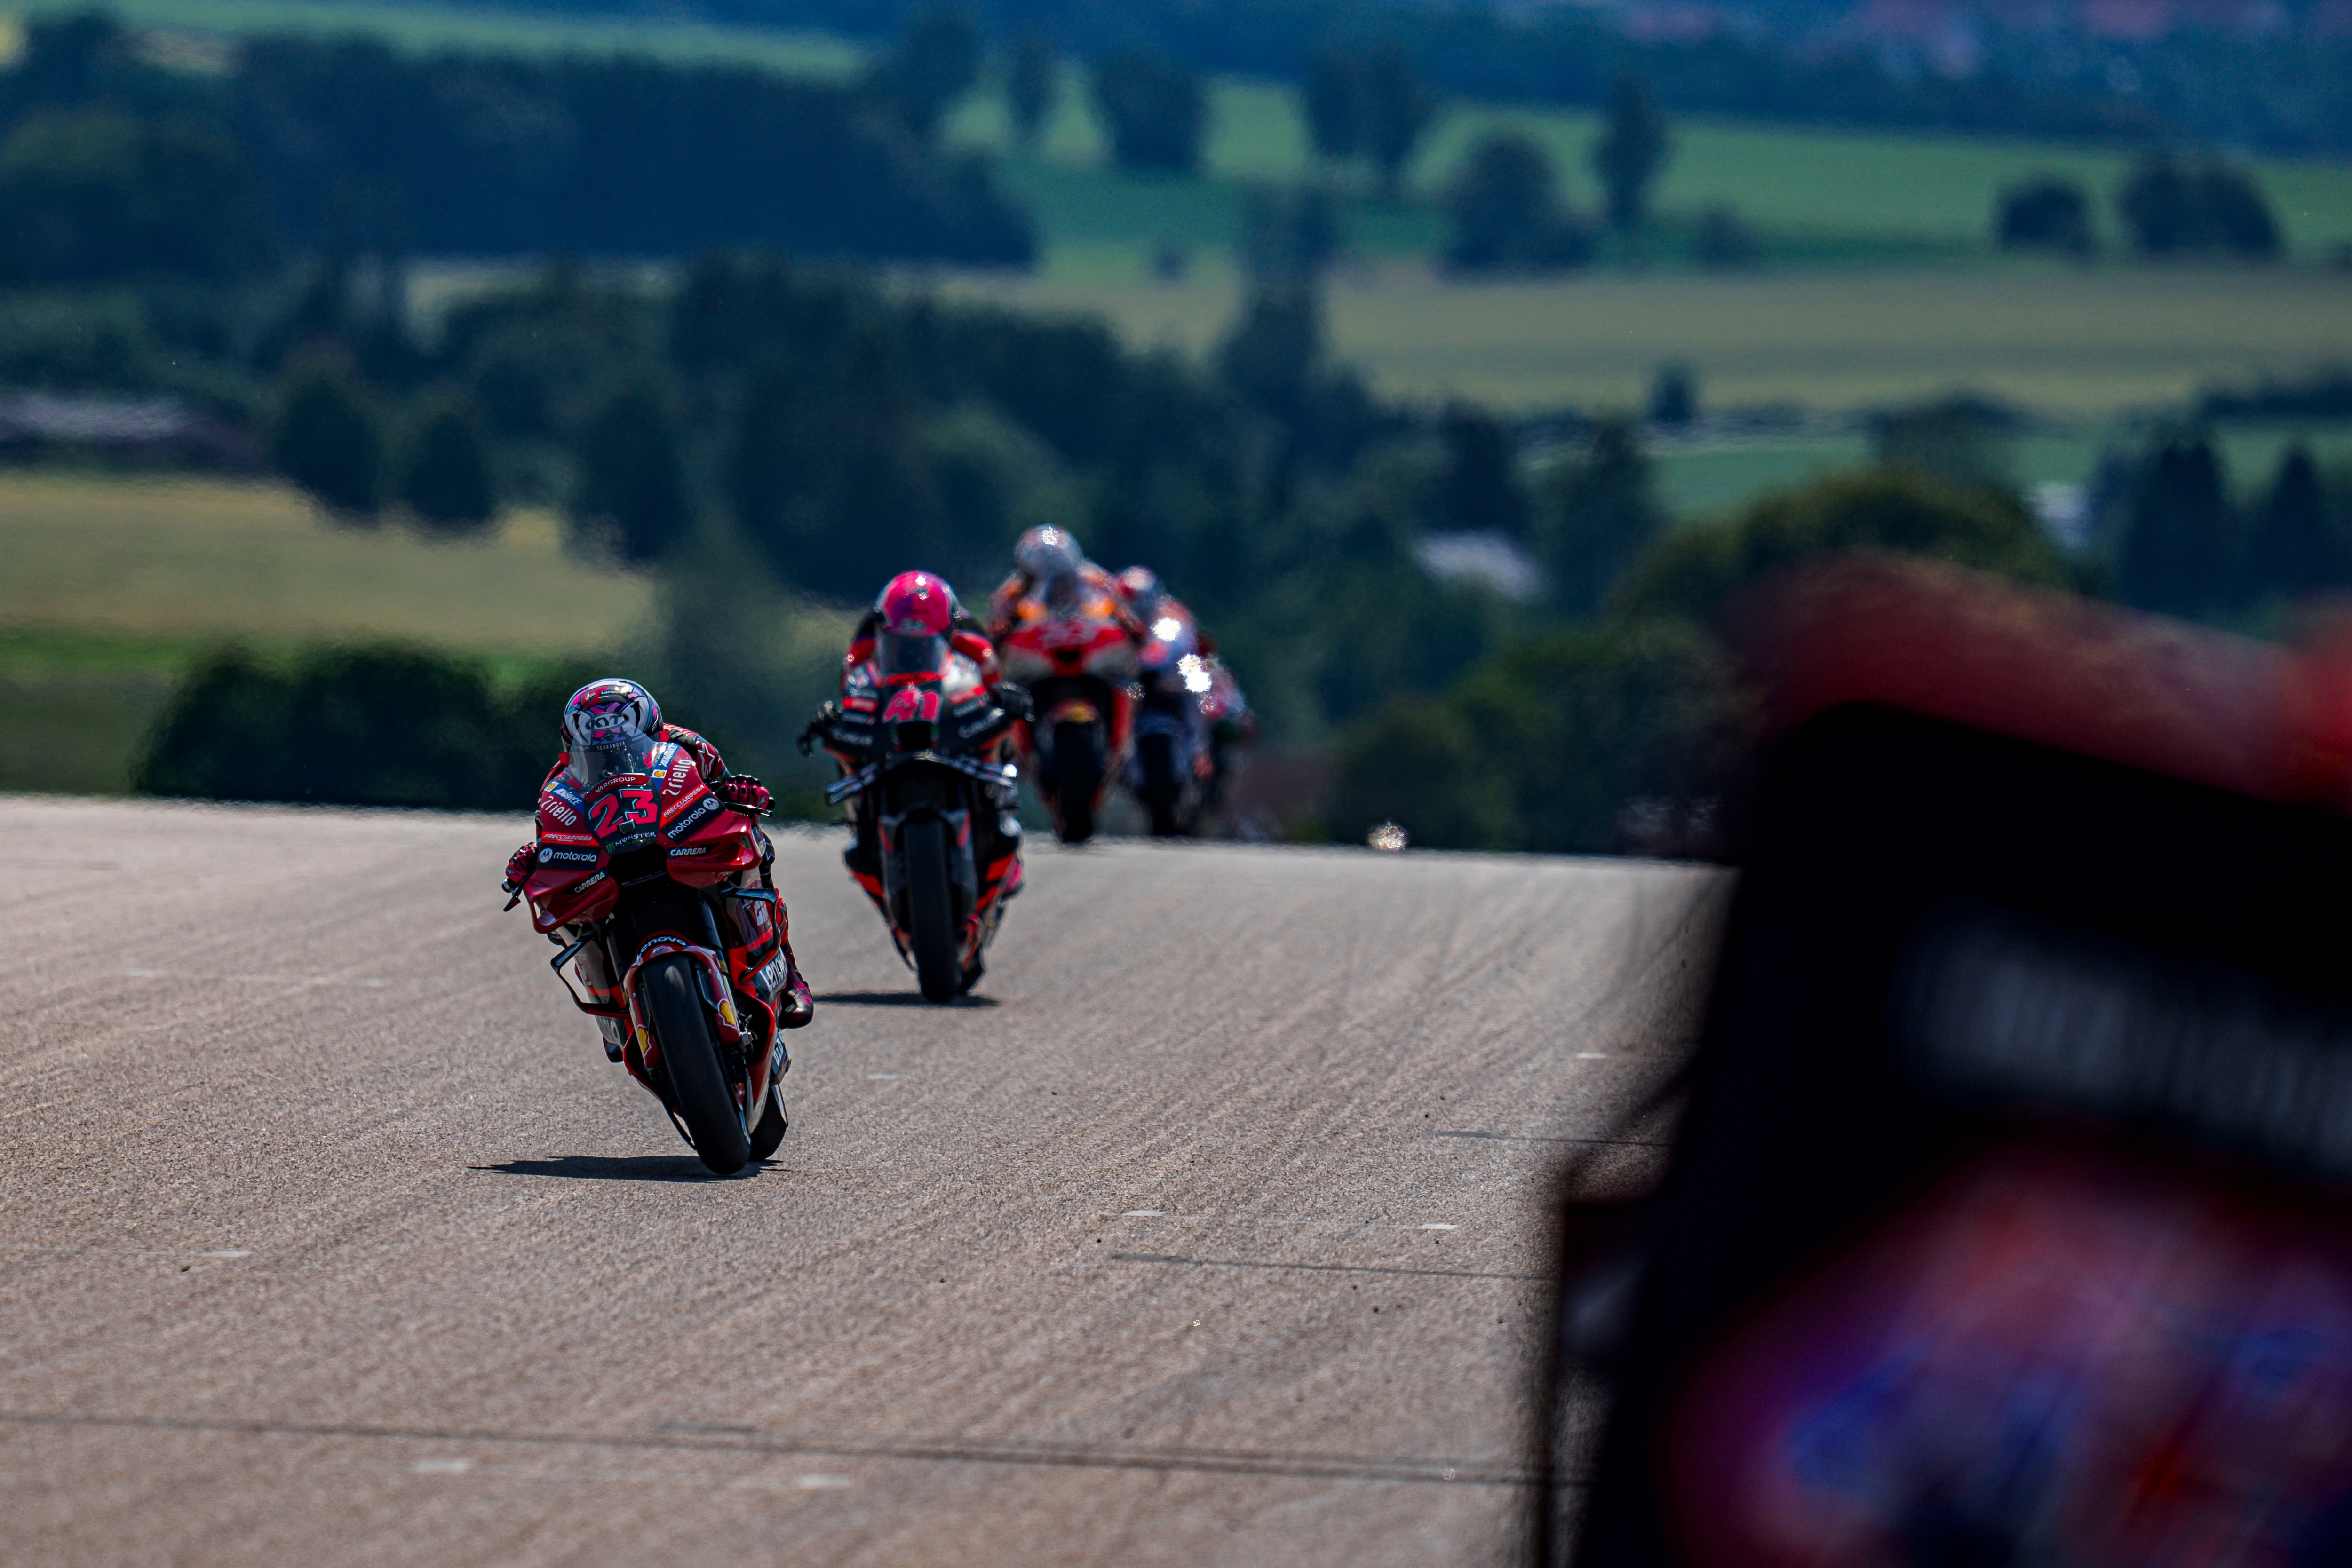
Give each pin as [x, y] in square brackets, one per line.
[1042, 557]
[741, 790]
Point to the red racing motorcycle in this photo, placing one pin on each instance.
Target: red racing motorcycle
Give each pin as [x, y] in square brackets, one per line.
[672, 938]
[1077, 662]
[919, 747]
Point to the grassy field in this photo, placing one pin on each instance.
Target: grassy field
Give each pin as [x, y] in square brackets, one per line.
[195, 559]
[115, 586]
[2066, 342]
[474, 27]
[1699, 481]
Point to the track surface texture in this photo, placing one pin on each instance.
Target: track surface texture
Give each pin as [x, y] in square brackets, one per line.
[329, 1235]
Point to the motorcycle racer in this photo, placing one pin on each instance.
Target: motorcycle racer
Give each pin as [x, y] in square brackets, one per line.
[595, 718]
[1048, 563]
[915, 623]
[1189, 685]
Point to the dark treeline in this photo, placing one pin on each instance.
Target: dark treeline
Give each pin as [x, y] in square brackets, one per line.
[2166, 208]
[2185, 541]
[2290, 96]
[110, 165]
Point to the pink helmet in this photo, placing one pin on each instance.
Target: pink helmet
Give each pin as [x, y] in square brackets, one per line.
[915, 604]
[912, 619]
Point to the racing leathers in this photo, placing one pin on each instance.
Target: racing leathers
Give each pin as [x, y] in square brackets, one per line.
[849, 726]
[1093, 585]
[797, 1006]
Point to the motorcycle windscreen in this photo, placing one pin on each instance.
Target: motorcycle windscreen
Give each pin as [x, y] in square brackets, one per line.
[630, 752]
[899, 655]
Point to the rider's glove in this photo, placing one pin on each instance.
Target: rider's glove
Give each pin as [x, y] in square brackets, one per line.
[519, 865]
[1014, 700]
[745, 793]
[817, 727]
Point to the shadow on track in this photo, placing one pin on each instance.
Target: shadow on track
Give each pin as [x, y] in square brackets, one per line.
[605, 1168]
[896, 999]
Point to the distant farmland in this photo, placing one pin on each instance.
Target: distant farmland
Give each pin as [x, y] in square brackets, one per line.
[2071, 342]
[1813, 194]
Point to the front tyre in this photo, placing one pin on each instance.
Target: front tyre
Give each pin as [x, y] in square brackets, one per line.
[1162, 787]
[1077, 779]
[697, 1084]
[773, 1120]
[930, 909]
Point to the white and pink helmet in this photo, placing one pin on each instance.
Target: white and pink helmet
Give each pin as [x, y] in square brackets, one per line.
[600, 715]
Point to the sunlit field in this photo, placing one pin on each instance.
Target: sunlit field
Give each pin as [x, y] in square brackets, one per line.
[199, 558]
[114, 585]
[2057, 340]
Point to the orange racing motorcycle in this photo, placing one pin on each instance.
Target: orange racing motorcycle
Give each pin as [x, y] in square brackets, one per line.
[659, 894]
[1076, 660]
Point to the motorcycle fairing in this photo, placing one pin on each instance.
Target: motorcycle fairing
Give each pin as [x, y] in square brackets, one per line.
[668, 805]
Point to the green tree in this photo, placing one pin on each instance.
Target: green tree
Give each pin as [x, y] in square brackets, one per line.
[1290, 237]
[444, 467]
[1960, 440]
[1479, 490]
[935, 64]
[2175, 554]
[1157, 110]
[2294, 549]
[1398, 108]
[1673, 394]
[1599, 515]
[1543, 745]
[1724, 240]
[1333, 98]
[327, 437]
[1506, 213]
[2048, 212]
[1417, 763]
[1277, 347]
[367, 726]
[89, 195]
[1032, 80]
[633, 499]
[2171, 208]
[1695, 571]
[1633, 145]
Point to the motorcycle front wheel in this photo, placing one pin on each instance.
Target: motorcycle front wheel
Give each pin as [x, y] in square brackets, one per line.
[773, 1120]
[1077, 779]
[1162, 787]
[930, 909]
[690, 1055]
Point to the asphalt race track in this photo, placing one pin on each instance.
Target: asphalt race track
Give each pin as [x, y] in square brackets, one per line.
[1210, 1235]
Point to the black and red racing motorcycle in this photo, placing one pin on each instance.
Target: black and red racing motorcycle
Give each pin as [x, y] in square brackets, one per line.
[673, 940]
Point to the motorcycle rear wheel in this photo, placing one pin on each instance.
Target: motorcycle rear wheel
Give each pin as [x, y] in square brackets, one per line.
[931, 910]
[1077, 779]
[690, 1055]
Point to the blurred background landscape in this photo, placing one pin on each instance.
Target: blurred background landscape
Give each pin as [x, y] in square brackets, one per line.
[371, 374]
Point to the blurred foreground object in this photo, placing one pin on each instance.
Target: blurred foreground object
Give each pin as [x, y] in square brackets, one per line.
[2007, 1221]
